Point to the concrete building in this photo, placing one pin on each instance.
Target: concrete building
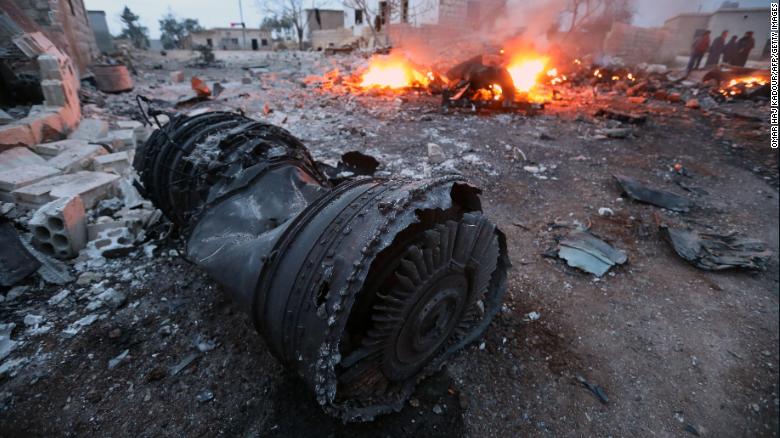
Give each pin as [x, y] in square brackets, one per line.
[66, 24]
[322, 19]
[230, 38]
[463, 14]
[684, 28]
[103, 38]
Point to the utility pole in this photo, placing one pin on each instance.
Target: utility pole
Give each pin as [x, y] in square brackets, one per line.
[243, 24]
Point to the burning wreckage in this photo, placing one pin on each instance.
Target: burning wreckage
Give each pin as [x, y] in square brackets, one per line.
[363, 287]
[525, 80]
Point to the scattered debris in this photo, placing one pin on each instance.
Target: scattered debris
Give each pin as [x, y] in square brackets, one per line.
[583, 250]
[113, 363]
[176, 369]
[16, 262]
[533, 316]
[715, 252]
[659, 198]
[205, 396]
[436, 154]
[621, 116]
[7, 345]
[594, 389]
[200, 87]
[74, 328]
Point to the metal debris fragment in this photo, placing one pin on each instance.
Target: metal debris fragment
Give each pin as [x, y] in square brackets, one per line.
[363, 288]
[659, 198]
[585, 251]
[16, 262]
[715, 252]
[595, 389]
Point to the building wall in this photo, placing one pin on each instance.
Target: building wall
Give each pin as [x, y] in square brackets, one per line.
[419, 12]
[103, 38]
[682, 30]
[322, 39]
[66, 24]
[230, 39]
[737, 22]
[329, 19]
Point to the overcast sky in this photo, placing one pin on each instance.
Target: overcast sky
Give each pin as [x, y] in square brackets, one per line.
[220, 13]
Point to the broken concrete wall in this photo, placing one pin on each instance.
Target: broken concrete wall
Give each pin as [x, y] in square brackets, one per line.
[66, 24]
[322, 39]
[61, 111]
[635, 45]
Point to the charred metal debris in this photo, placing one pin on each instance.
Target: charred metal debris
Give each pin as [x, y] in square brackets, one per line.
[364, 287]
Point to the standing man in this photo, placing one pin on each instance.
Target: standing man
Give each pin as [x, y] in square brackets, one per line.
[698, 50]
[730, 51]
[744, 46]
[716, 49]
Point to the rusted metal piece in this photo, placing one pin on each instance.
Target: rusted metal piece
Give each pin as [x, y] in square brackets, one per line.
[363, 288]
[112, 78]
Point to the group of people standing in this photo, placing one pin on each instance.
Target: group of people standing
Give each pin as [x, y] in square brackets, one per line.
[734, 52]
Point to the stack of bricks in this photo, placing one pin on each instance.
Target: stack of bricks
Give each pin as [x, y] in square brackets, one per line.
[66, 23]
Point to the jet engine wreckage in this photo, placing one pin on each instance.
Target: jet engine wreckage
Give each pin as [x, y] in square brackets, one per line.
[364, 288]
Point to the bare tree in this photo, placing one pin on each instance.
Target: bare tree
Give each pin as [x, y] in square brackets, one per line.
[292, 10]
[378, 14]
[598, 13]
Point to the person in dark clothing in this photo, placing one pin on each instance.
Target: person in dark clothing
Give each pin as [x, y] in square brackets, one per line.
[730, 51]
[716, 49]
[744, 46]
[698, 50]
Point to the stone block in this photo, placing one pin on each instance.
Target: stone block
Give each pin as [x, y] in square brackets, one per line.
[33, 44]
[112, 243]
[118, 163]
[126, 138]
[70, 115]
[53, 92]
[90, 186]
[46, 125]
[129, 124]
[18, 157]
[435, 154]
[49, 66]
[16, 134]
[54, 148]
[177, 76]
[19, 177]
[59, 228]
[90, 130]
[77, 158]
[102, 224]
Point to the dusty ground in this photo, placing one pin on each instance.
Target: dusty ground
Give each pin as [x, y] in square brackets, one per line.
[678, 351]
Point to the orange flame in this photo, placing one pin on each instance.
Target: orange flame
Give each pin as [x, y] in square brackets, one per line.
[392, 72]
[525, 71]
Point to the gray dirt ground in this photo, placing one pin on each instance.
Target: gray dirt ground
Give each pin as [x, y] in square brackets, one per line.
[677, 350]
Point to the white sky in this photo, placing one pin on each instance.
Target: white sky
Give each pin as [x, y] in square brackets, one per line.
[220, 13]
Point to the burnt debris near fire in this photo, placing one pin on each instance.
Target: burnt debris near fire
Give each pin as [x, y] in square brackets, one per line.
[399, 218]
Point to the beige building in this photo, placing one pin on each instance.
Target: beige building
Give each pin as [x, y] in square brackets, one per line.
[230, 38]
